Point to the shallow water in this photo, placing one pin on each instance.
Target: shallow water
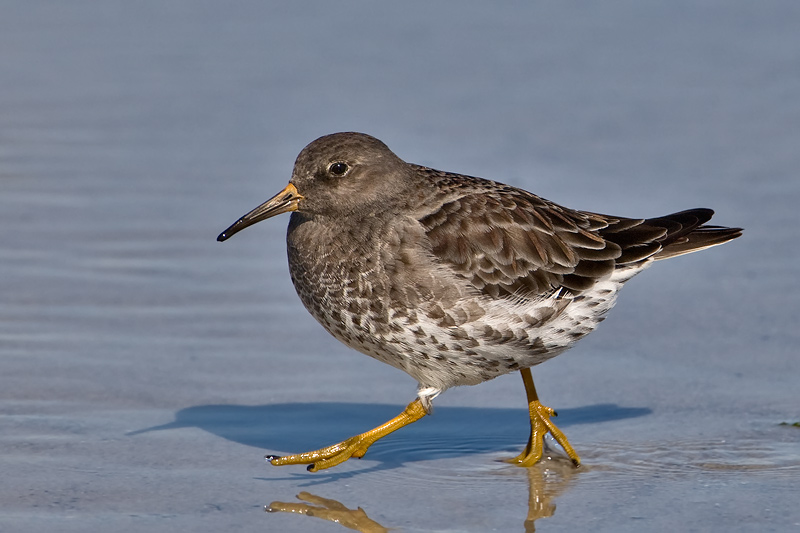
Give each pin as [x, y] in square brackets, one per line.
[145, 369]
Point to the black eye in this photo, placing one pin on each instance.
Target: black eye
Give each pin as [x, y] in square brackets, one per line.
[338, 168]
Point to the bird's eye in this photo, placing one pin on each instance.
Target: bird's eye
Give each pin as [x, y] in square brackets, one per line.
[338, 168]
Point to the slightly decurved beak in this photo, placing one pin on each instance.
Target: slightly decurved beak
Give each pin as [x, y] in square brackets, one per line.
[284, 201]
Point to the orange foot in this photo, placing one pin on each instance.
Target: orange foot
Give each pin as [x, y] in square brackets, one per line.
[354, 446]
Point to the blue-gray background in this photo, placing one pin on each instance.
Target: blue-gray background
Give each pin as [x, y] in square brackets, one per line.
[145, 369]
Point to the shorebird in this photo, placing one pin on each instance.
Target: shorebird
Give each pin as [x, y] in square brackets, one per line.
[454, 279]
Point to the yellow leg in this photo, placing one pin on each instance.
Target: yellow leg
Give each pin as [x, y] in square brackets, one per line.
[540, 426]
[352, 447]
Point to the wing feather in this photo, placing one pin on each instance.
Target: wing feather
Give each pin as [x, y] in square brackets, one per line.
[509, 243]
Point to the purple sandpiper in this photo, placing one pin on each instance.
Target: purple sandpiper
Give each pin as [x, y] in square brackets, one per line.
[454, 279]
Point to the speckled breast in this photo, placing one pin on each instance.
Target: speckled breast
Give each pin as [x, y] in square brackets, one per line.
[340, 278]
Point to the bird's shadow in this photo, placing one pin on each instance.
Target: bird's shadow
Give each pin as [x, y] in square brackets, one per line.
[450, 432]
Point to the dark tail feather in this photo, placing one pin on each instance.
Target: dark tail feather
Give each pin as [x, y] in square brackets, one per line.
[686, 233]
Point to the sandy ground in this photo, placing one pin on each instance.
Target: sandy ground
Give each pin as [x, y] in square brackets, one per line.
[146, 369]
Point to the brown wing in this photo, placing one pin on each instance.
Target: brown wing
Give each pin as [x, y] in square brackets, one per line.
[510, 243]
[513, 243]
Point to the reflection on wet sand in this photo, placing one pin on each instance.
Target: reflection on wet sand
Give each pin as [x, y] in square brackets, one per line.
[546, 481]
[330, 510]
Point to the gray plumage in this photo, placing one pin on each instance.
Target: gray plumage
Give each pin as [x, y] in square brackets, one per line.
[456, 279]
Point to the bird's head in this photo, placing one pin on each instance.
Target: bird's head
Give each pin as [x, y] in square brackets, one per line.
[336, 175]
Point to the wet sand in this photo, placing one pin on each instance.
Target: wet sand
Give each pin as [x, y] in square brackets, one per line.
[145, 369]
